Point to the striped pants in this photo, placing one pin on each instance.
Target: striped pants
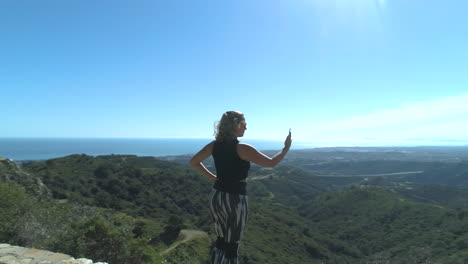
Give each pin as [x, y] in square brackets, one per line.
[230, 215]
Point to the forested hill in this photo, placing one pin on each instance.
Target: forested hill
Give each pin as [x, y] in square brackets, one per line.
[129, 209]
[139, 186]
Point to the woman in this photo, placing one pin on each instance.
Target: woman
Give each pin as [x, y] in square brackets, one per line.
[229, 199]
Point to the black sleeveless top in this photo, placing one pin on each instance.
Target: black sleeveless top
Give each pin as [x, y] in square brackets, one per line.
[230, 168]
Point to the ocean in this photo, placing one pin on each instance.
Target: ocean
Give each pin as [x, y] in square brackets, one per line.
[46, 148]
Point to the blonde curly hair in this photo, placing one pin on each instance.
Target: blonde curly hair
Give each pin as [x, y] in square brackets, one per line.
[225, 128]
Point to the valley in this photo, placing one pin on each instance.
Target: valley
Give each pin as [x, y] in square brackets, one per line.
[319, 206]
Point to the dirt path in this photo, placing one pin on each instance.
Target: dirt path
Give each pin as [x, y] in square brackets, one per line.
[188, 236]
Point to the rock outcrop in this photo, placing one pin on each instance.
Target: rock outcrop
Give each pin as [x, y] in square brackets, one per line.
[19, 255]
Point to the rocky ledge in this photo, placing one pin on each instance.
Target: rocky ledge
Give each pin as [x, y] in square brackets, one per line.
[20, 255]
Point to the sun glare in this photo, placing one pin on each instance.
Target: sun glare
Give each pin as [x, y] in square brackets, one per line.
[361, 15]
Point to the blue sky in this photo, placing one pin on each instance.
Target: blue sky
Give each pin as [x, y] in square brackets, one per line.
[338, 72]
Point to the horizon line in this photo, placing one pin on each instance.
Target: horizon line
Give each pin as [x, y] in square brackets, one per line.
[299, 144]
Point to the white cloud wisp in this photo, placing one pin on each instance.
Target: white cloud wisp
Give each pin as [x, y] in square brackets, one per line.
[444, 118]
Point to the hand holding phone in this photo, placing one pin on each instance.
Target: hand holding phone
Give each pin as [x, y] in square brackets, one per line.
[287, 142]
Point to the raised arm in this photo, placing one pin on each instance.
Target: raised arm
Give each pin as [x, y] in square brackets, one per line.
[196, 161]
[247, 152]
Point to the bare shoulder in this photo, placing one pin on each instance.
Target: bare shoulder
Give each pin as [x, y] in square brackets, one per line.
[246, 151]
[250, 153]
[204, 153]
[245, 147]
[209, 146]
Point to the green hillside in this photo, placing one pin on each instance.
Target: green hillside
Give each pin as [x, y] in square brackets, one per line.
[139, 186]
[129, 209]
[380, 223]
[80, 231]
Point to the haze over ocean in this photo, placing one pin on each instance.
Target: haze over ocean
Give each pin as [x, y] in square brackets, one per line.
[47, 148]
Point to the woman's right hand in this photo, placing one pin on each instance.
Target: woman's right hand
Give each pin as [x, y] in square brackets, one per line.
[287, 142]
